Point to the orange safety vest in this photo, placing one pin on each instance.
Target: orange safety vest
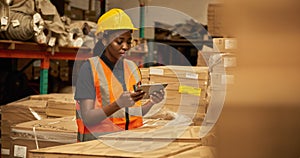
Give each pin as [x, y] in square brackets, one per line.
[108, 89]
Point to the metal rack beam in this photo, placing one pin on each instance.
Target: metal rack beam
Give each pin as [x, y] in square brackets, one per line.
[29, 50]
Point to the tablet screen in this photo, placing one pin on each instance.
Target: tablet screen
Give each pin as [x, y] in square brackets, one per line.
[150, 88]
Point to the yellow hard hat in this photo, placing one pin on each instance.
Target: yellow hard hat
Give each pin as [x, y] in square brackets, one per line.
[114, 19]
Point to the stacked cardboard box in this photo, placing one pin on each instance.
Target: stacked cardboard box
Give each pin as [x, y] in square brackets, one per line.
[24, 110]
[57, 69]
[225, 45]
[42, 133]
[186, 90]
[58, 104]
[200, 151]
[223, 61]
[61, 107]
[214, 19]
[145, 75]
[201, 60]
[50, 96]
[204, 54]
[17, 112]
[221, 75]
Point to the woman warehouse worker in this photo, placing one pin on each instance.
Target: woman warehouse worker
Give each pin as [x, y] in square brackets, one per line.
[106, 101]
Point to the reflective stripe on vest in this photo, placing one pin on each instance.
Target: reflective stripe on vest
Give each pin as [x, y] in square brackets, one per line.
[108, 89]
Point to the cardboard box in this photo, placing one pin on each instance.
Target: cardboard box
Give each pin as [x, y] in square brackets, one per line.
[181, 139]
[188, 72]
[200, 151]
[163, 133]
[5, 127]
[145, 80]
[225, 44]
[215, 19]
[220, 81]
[21, 111]
[174, 83]
[187, 89]
[63, 129]
[24, 110]
[186, 94]
[51, 96]
[145, 72]
[186, 109]
[42, 133]
[145, 75]
[96, 148]
[201, 59]
[28, 109]
[61, 107]
[229, 61]
[21, 146]
[5, 146]
[193, 119]
[181, 79]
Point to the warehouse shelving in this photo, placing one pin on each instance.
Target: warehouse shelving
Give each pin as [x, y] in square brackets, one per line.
[185, 42]
[30, 50]
[172, 46]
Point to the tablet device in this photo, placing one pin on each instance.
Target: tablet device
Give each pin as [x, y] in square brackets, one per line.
[149, 88]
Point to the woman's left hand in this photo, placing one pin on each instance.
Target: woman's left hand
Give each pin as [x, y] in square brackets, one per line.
[157, 97]
[136, 96]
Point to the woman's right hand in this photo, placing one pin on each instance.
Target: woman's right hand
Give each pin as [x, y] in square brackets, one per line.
[128, 99]
[125, 100]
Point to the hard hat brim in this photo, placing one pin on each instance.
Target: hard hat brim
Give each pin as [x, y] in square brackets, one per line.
[102, 30]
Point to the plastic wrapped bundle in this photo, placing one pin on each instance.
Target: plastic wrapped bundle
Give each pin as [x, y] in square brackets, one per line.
[4, 14]
[20, 29]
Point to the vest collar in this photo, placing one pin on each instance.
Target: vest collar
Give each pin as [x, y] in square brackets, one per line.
[118, 65]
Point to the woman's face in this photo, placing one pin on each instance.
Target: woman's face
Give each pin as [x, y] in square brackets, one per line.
[120, 43]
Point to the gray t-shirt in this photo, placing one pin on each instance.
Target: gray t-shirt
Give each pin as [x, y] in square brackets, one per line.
[85, 88]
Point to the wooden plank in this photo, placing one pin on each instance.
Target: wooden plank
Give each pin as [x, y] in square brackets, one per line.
[42, 55]
[18, 45]
[31, 46]
[98, 149]
[163, 133]
[200, 151]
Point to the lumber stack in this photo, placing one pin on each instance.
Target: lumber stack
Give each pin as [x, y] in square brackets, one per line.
[61, 107]
[186, 91]
[145, 75]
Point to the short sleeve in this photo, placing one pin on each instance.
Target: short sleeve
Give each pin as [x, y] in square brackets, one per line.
[85, 88]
